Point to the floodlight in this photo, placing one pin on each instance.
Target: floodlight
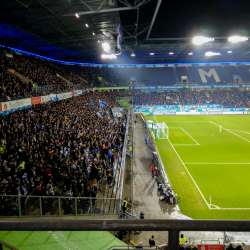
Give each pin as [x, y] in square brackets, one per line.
[190, 53]
[93, 33]
[108, 56]
[86, 25]
[230, 52]
[77, 16]
[133, 54]
[198, 40]
[171, 53]
[151, 53]
[106, 47]
[236, 39]
[98, 41]
[210, 53]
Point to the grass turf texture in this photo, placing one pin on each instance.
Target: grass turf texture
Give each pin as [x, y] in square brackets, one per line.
[228, 184]
[60, 240]
[123, 103]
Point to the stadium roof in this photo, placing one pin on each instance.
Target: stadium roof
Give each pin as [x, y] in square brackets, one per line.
[50, 28]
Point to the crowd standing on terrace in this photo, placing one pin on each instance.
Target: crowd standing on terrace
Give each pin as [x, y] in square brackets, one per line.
[228, 98]
[67, 145]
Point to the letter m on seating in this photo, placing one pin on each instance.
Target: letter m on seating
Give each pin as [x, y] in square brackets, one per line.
[211, 72]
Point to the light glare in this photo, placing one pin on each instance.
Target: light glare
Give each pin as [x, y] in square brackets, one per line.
[236, 39]
[198, 40]
[171, 53]
[108, 56]
[106, 47]
[191, 53]
[151, 53]
[133, 54]
[86, 25]
[230, 52]
[210, 53]
[77, 16]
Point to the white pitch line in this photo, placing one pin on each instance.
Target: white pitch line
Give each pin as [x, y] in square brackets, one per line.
[231, 132]
[240, 131]
[190, 136]
[186, 144]
[189, 174]
[187, 121]
[155, 119]
[247, 208]
[217, 163]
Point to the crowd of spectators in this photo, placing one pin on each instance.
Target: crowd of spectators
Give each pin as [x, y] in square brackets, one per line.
[188, 98]
[227, 98]
[159, 98]
[232, 98]
[66, 145]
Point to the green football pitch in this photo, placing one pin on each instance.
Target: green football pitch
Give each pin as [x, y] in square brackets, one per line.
[51, 240]
[201, 161]
[123, 103]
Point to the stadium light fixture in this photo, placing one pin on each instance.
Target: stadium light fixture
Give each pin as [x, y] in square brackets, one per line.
[86, 25]
[133, 54]
[151, 53]
[106, 47]
[93, 33]
[77, 16]
[108, 56]
[171, 53]
[230, 52]
[210, 53]
[98, 41]
[236, 39]
[198, 40]
[190, 53]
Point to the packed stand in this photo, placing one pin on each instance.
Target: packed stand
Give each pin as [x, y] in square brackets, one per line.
[227, 98]
[159, 98]
[67, 146]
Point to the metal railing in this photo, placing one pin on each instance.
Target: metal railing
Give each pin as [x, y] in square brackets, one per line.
[39, 206]
[157, 160]
[6, 245]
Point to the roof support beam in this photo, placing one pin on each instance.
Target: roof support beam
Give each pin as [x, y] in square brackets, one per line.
[99, 10]
[124, 225]
[153, 19]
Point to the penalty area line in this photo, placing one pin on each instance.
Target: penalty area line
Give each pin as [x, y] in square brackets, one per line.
[189, 174]
[231, 132]
[217, 163]
[190, 136]
[186, 145]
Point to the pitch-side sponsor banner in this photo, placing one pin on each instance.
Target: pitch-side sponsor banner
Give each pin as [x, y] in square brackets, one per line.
[15, 104]
[190, 87]
[164, 113]
[46, 98]
[212, 113]
[36, 100]
[210, 247]
[177, 106]
[76, 92]
[64, 95]
[0, 107]
[104, 88]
